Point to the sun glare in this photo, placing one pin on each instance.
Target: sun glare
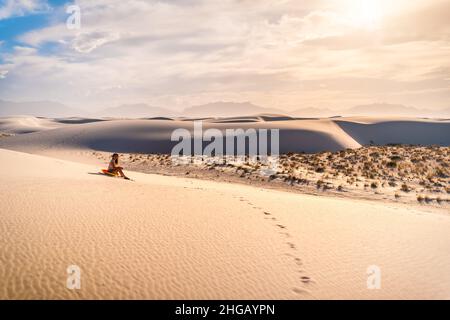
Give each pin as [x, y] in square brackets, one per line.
[365, 14]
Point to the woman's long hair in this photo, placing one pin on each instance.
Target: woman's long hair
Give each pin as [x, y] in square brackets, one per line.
[116, 160]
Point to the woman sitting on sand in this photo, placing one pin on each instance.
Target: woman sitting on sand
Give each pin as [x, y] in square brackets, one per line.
[114, 166]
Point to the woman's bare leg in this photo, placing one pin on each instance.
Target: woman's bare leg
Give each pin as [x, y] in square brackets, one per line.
[120, 171]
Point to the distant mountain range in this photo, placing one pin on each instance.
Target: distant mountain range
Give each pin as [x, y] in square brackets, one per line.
[374, 109]
[48, 109]
[228, 109]
[136, 111]
[52, 109]
[386, 109]
[312, 112]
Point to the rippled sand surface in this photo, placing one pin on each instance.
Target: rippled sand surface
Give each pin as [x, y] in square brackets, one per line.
[173, 238]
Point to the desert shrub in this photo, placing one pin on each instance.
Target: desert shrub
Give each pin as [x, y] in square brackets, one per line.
[405, 188]
[391, 164]
[319, 184]
[396, 158]
[440, 172]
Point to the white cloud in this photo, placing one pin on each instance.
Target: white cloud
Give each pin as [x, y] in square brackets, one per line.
[13, 8]
[193, 51]
[87, 42]
[3, 74]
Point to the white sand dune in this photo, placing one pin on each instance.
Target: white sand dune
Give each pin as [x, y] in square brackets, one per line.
[307, 135]
[26, 124]
[174, 238]
[153, 136]
[381, 131]
[30, 124]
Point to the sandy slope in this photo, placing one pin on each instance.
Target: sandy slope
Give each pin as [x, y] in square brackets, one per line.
[167, 237]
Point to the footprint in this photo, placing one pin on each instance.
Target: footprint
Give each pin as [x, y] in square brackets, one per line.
[267, 213]
[300, 291]
[281, 226]
[291, 245]
[305, 279]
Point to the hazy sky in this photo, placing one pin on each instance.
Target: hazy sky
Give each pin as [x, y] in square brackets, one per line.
[276, 53]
